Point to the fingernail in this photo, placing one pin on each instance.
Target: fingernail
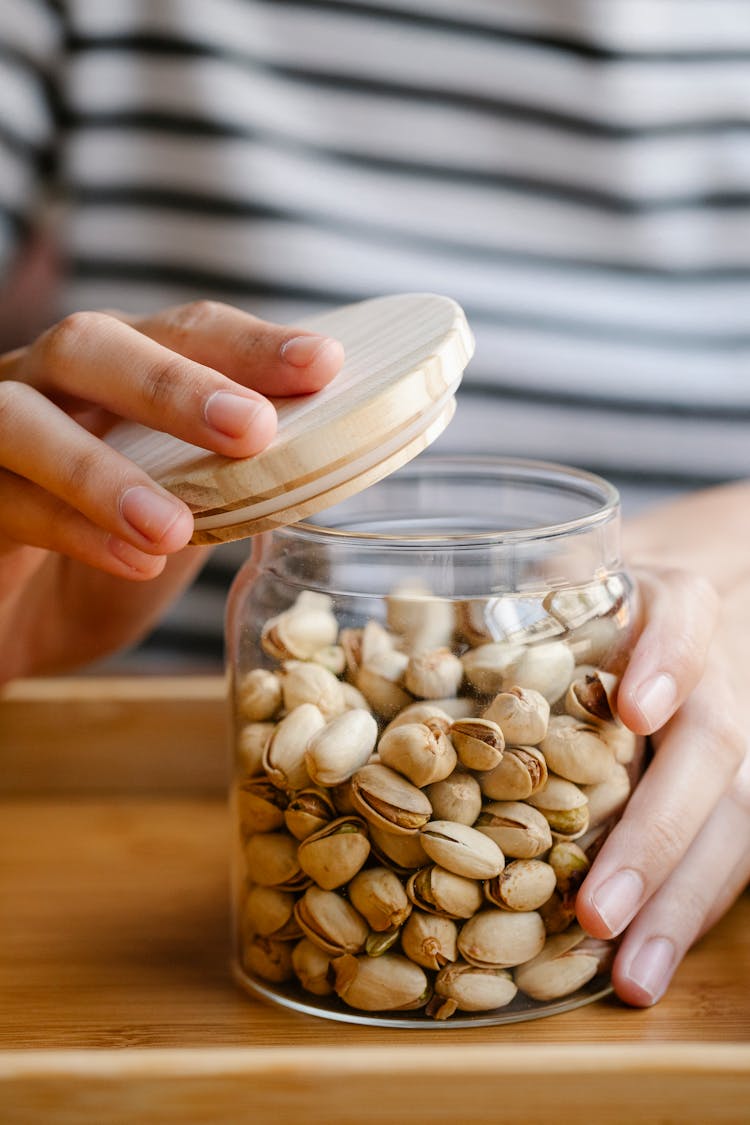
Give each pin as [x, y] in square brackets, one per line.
[656, 699]
[617, 899]
[300, 351]
[233, 415]
[651, 969]
[149, 512]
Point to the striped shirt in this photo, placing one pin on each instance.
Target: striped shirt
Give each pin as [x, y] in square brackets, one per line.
[576, 173]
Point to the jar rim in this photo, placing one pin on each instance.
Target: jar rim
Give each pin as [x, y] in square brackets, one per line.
[570, 479]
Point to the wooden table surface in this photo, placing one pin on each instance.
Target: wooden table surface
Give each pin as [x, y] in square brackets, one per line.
[116, 1002]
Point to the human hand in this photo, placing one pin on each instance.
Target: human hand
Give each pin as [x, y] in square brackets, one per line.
[680, 855]
[201, 372]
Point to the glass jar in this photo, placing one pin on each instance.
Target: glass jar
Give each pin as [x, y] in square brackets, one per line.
[426, 752]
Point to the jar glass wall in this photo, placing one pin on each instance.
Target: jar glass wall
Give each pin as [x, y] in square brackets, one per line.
[427, 755]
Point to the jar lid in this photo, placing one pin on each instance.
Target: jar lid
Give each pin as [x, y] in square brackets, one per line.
[394, 395]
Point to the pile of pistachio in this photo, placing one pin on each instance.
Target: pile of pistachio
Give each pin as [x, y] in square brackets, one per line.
[418, 802]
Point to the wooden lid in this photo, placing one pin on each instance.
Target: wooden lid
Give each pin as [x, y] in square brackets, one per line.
[394, 395]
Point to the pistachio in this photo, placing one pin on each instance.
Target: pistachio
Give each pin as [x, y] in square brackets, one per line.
[334, 753]
[518, 829]
[472, 625]
[558, 912]
[439, 891]
[259, 695]
[388, 800]
[591, 697]
[479, 743]
[271, 860]
[622, 742]
[251, 742]
[607, 797]
[378, 944]
[300, 632]
[522, 714]
[596, 641]
[471, 989]
[380, 680]
[341, 795]
[308, 811]
[570, 865]
[562, 967]
[486, 668]
[457, 797]
[379, 896]
[304, 682]
[422, 620]
[429, 940]
[419, 751]
[401, 853]
[353, 698]
[564, 807]
[269, 913]
[462, 850]
[379, 984]
[522, 885]
[331, 657]
[545, 668]
[432, 675]
[271, 960]
[577, 751]
[260, 806]
[330, 922]
[419, 713]
[284, 755]
[311, 965]
[333, 855]
[496, 939]
[521, 772]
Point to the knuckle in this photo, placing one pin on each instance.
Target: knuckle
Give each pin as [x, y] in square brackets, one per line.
[81, 471]
[62, 342]
[196, 315]
[662, 843]
[729, 743]
[12, 397]
[161, 381]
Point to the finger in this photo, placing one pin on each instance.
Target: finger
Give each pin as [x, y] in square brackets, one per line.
[698, 754]
[100, 360]
[31, 517]
[41, 443]
[712, 874]
[681, 611]
[271, 358]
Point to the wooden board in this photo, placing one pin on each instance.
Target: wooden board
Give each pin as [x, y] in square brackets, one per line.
[117, 1004]
[394, 395]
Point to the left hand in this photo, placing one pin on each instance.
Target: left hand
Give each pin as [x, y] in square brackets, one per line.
[680, 855]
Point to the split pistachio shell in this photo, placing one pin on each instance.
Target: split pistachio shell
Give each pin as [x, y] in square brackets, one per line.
[304, 682]
[300, 632]
[487, 667]
[311, 965]
[479, 743]
[522, 885]
[562, 967]
[522, 714]
[499, 940]
[333, 855]
[419, 713]
[380, 680]
[591, 697]
[251, 742]
[284, 755]
[545, 668]
[260, 806]
[462, 849]
[577, 751]
[259, 695]
[379, 896]
[521, 772]
[422, 620]
[457, 798]
[419, 751]
[518, 829]
[271, 860]
[269, 912]
[402, 853]
[334, 753]
[271, 960]
[380, 984]
[570, 865]
[429, 940]
[564, 806]
[308, 811]
[558, 912]
[330, 922]
[439, 891]
[388, 800]
[432, 675]
[608, 797]
[469, 988]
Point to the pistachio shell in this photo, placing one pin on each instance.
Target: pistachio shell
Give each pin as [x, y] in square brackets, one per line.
[379, 896]
[422, 620]
[591, 697]
[570, 865]
[419, 751]
[496, 939]
[521, 713]
[269, 912]
[331, 657]
[308, 811]
[487, 667]
[419, 713]
[432, 675]
[251, 742]
[388, 800]
[564, 806]
[380, 681]
[560, 968]
[260, 806]
[353, 698]
[381, 984]
[333, 855]
[402, 853]
[518, 829]
[284, 755]
[545, 668]
[311, 966]
[479, 743]
[271, 861]
[524, 884]
[271, 960]
[429, 940]
[439, 891]
[330, 922]
[300, 632]
[259, 695]
[334, 753]
[304, 682]
[608, 797]
[456, 798]
[577, 751]
[462, 850]
[521, 772]
[472, 989]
